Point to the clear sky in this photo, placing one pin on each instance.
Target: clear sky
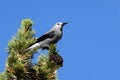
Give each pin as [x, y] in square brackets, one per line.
[91, 41]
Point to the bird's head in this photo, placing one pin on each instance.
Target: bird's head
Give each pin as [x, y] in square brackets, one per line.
[59, 25]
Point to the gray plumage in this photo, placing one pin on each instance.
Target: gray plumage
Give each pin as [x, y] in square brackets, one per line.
[52, 36]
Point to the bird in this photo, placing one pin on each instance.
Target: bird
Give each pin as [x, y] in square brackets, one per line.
[50, 37]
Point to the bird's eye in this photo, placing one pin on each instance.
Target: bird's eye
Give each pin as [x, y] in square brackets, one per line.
[58, 24]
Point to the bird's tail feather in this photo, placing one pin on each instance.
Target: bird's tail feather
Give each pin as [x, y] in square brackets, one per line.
[33, 47]
[27, 50]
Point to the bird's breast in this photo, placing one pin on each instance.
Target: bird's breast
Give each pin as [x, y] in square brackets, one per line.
[57, 37]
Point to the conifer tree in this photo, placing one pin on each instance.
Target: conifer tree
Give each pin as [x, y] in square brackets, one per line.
[19, 64]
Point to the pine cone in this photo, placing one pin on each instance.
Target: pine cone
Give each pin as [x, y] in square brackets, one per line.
[56, 58]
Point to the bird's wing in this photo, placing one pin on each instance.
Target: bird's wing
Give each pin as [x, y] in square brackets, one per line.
[45, 36]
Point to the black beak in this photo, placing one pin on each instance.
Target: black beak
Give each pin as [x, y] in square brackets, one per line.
[64, 23]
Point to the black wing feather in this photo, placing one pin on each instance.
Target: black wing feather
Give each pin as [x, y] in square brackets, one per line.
[45, 36]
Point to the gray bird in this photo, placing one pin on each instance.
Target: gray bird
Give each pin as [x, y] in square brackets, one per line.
[52, 36]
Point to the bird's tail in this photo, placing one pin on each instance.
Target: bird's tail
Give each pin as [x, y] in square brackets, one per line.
[33, 47]
[27, 50]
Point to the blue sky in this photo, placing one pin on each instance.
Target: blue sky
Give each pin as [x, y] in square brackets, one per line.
[91, 42]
